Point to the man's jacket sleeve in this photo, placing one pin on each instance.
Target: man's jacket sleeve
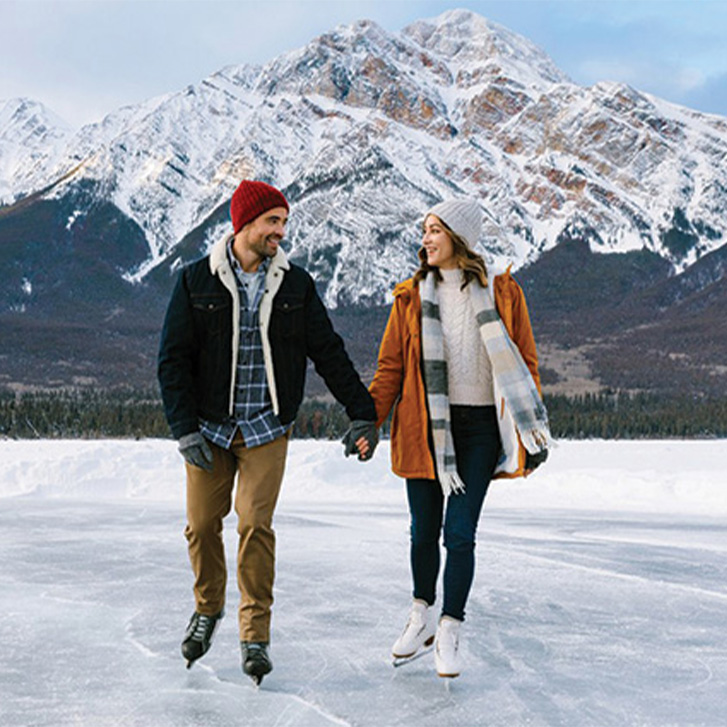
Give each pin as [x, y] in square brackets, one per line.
[177, 360]
[325, 348]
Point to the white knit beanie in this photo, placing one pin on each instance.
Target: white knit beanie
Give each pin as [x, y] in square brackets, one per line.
[463, 216]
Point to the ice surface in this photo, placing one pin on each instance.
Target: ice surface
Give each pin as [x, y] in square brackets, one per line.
[600, 596]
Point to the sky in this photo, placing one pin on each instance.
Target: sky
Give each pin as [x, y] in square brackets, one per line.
[86, 58]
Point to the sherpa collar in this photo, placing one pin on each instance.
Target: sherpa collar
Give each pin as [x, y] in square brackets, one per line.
[218, 257]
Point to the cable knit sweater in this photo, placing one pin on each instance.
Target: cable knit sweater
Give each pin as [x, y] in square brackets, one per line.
[468, 365]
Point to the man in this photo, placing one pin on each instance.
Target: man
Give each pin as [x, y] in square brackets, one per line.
[240, 326]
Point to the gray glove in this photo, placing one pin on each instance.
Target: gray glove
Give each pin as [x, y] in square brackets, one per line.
[360, 428]
[194, 448]
[532, 461]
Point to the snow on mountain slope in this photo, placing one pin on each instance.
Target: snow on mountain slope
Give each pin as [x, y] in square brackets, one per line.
[31, 137]
[364, 129]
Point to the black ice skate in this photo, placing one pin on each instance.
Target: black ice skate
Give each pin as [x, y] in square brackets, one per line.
[255, 660]
[198, 637]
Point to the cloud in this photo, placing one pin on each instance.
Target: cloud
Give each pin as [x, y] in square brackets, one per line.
[665, 49]
[687, 80]
[710, 97]
[683, 85]
[654, 76]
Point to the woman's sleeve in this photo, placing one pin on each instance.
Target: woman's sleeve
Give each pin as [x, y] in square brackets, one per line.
[523, 334]
[386, 385]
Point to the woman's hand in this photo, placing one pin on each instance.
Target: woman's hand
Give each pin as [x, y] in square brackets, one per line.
[362, 444]
[362, 437]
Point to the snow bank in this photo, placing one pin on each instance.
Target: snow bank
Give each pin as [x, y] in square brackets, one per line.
[638, 476]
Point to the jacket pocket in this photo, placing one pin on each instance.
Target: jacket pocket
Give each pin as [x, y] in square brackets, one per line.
[211, 312]
[288, 318]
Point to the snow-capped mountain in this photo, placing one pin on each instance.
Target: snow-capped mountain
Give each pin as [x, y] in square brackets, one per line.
[31, 138]
[364, 129]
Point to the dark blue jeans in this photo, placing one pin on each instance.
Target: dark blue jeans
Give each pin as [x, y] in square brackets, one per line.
[477, 446]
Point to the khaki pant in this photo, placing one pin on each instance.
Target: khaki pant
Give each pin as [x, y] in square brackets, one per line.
[209, 499]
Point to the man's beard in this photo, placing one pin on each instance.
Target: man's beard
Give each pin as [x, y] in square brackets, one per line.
[262, 247]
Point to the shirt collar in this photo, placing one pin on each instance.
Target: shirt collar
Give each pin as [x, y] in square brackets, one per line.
[235, 263]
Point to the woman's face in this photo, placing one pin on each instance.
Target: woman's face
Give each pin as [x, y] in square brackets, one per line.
[438, 244]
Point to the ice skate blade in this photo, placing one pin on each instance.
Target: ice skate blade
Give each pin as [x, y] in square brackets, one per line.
[402, 660]
[413, 655]
[448, 676]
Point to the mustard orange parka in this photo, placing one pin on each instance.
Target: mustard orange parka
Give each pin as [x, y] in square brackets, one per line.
[398, 380]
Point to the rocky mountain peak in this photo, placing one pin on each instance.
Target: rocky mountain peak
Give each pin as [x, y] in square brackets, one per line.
[30, 134]
[474, 43]
[354, 64]
[23, 118]
[363, 129]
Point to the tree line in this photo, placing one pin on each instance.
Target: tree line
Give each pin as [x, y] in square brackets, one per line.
[129, 413]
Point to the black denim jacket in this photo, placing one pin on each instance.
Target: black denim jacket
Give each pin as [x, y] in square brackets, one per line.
[195, 355]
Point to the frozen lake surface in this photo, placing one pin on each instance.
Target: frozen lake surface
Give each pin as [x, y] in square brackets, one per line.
[600, 596]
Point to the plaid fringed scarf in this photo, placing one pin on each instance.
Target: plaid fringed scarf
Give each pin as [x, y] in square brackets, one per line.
[436, 383]
[510, 375]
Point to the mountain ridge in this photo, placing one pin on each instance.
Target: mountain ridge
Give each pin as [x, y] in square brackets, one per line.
[355, 83]
[364, 130]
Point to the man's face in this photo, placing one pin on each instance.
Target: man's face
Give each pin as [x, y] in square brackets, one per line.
[260, 238]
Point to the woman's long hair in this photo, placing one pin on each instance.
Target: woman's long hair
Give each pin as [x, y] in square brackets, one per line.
[469, 262]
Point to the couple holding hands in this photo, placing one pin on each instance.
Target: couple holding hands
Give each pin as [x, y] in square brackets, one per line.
[457, 364]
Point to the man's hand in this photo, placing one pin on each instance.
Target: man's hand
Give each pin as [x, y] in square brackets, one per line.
[194, 448]
[361, 437]
[533, 461]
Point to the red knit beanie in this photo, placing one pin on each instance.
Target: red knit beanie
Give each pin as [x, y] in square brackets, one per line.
[251, 199]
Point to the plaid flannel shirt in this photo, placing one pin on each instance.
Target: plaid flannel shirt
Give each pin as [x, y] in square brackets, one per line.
[253, 408]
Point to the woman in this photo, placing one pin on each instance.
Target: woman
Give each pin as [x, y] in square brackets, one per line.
[462, 374]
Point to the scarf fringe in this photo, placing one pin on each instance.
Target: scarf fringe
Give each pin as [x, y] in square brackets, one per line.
[452, 484]
[536, 440]
[512, 374]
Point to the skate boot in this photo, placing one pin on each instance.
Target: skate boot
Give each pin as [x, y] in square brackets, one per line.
[418, 632]
[255, 660]
[446, 648]
[198, 637]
